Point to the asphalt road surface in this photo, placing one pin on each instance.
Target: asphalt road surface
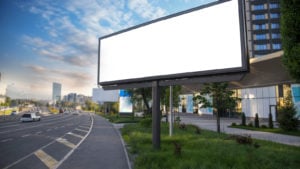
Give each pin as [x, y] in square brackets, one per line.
[54, 141]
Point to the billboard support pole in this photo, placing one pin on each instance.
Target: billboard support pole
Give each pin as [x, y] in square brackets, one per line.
[171, 112]
[155, 115]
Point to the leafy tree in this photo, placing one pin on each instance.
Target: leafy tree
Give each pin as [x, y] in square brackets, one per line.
[145, 95]
[222, 99]
[290, 33]
[287, 115]
[7, 101]
[165, 96]
[141, 94]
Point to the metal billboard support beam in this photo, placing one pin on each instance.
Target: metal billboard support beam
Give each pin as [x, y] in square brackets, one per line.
[171, 112]
[155, 115]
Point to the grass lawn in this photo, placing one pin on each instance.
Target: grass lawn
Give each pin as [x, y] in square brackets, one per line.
[122, 119]
[274, 130]
[207, 150]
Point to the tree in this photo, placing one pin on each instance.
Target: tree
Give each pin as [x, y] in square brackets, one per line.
[141, 94]
[222, 99]
[290, 33]
[165, 96]
[287, 115]
[7, 101]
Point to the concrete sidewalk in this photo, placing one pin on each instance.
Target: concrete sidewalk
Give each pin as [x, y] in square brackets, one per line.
[103, 148]
[210, 124]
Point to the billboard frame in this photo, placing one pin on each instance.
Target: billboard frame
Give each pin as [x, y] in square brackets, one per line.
[185, 75]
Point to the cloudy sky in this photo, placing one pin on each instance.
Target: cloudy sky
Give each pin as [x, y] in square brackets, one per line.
[45, 41]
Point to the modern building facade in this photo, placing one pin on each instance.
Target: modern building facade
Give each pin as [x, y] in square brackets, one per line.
[264, 88]
[56, 92]
[263, 27]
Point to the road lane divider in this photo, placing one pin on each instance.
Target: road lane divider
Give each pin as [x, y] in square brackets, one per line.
[66, 142]
[48, 160]
[6, 140]
[82, 130]
[76, 135]
[71, 152]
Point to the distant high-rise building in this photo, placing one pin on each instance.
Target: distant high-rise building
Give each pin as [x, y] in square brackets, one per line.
[56, 92]
[263, 27]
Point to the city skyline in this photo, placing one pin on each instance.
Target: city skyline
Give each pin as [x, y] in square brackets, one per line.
[48, 41]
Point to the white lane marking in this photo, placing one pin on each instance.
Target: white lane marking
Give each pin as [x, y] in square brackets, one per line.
[38, 132]
[86, 127]
[81, 130]
[26, 135]
[6, 140]
[49, 161]
[66, 142]
[38, 125]
[71, 152]
[76, 135]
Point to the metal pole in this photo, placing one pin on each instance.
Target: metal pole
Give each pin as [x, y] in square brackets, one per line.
[155, 115]
[171, 112]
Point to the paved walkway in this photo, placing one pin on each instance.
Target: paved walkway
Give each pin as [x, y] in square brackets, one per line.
[210, 124]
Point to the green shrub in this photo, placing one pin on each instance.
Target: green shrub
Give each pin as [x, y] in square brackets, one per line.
[287, 115]
[286, 118]
[271, 125]
[147, 122]
[263, 126]
[233, 124]
[250, 124]
[256, 121]
[243, 119]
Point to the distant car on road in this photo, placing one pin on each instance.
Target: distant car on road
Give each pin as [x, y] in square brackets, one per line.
[30, 117]
[13, 113]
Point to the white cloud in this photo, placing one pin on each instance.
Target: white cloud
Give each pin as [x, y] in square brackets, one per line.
[146, 9]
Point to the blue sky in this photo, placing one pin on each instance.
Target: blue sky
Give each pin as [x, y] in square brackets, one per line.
[45, 41]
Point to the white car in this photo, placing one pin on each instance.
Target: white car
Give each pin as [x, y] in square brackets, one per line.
[30, 117]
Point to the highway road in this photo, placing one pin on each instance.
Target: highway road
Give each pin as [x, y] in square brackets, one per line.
[43, 144]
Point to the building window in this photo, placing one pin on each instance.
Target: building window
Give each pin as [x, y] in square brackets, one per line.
[259, 17]
[258, 7]
[276, 46]
[260, 36]
[275, 25]
[259, 26]
[275, 35]
[261, 47]
[274, 15]
[274, 5]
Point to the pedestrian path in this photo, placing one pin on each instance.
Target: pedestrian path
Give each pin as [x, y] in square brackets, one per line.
[210, 124]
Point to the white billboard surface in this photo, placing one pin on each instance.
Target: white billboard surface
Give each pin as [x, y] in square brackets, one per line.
[208, 39]
[100, 95]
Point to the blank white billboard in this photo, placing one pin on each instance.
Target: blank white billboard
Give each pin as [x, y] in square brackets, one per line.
[199, 42]
[99, 95]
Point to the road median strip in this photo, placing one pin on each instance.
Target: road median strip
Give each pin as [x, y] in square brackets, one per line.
[49, 161]
[66, 142]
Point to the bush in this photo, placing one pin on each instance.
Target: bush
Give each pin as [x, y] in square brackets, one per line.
[256, 121]
[182, 126]
[243, 119]
[271, 125]
[287, 115]
[263, 126]
[147, 122]
[250, 124]
[233, 124]
[286, 118]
